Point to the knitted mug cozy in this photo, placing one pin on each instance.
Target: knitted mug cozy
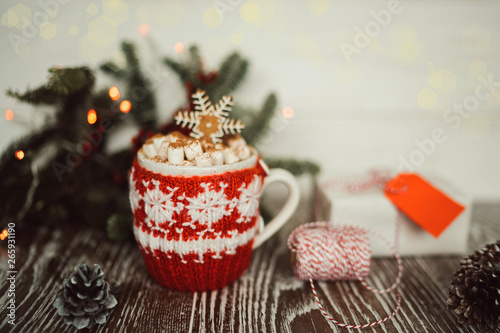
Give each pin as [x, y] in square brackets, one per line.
[196, 232]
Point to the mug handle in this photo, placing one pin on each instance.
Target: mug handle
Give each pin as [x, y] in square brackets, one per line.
[285, 177]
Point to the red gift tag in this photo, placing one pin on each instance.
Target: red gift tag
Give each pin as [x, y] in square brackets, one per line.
[424, 204]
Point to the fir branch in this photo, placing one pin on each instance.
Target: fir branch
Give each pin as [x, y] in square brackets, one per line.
[296, 167]
[66, 81]
[245, 114]
[29, 144]
[119, 226]
[130, 53]
[102, 103]
[145, 103]
[112, 69]
[17, 174]
[140, 92]
[39, 96]
[194, 62]
[231, 73]
[261, 121]
[62, 82]
[179, 68]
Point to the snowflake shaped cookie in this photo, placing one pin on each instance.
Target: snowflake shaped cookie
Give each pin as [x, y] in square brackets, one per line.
[209, 121]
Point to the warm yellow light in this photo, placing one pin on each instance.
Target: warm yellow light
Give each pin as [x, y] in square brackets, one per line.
[144, 29]
[125, 106]
[19, 154]
[114, 93]
[9, 114]
[4, 234]
[179, 47]
[287, 112]
[91, 116]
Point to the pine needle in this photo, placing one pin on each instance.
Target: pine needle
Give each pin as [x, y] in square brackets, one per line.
[231, 73]
[194, 62]
[66, 81]
[260, 123]
[296, 167]
[39, 96]
[119, 226]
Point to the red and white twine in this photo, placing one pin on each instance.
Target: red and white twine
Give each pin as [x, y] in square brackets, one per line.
[328, 252]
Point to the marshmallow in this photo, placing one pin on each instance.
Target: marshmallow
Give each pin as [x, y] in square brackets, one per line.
[163, 151]
[243, 152]
[175, 136]
[207, 146]
[236, 141]
[149, 150]
[157, 141]
[160, 160]
[177, 149]
[230, 156]
[203, 160]
[175, 153]
[217, 156]
[192, 149]
[187, 163]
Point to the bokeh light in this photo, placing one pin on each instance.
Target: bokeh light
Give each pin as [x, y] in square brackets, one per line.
[91, 116]
[9, 114]
[114, 93]
[144, 29]
[179, 47]
[125, 106]
[288, 112]
[19, 154]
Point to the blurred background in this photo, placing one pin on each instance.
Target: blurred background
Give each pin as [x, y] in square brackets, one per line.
[362, 84]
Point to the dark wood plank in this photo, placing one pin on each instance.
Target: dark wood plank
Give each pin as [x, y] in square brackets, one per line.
[267, 298]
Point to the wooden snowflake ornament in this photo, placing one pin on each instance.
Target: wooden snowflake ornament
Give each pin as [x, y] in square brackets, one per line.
[207, 120]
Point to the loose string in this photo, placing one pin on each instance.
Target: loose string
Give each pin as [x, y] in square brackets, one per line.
[352, 252]
[336, 252]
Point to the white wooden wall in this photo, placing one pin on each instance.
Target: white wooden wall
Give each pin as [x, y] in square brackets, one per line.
[398, 86]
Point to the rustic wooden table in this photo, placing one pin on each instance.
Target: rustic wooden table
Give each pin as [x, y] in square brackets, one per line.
[267, 298]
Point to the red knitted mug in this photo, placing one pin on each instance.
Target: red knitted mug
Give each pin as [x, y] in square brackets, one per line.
[197, 226]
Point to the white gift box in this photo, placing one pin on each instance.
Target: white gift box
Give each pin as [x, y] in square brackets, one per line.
[371, 208]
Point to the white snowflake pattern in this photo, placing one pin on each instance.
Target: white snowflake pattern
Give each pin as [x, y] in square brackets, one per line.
[249, 199]
[134, 195]
[159, 207]
[209, 206]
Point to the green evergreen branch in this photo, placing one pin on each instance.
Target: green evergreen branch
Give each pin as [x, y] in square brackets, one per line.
[39, 96]
[113, 70]
[129, 51]
[261, 121]
[16, 174]
[140, 92]
[62, 83]
[66, 81]
[180, 69]
[194, 62]
[296, 167]
[119, 226]
[29, 144]
[102, 103]
[231, 73]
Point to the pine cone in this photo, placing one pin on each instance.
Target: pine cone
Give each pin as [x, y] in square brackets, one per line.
[85, 299]
[473, 295]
